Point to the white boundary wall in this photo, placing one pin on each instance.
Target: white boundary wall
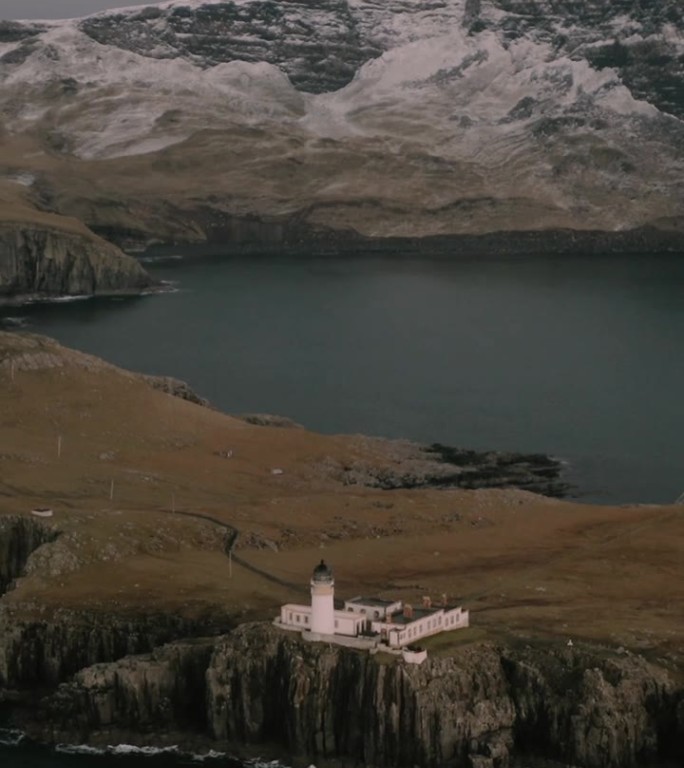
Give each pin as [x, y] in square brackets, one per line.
[437, 621]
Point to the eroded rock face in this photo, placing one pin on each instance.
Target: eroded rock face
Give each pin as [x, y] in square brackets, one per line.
[163, 690]
[482, 706]
[19, 538]
[317, 43]
[321, 44]
[40, 653]
[325, 701]
[40, 262]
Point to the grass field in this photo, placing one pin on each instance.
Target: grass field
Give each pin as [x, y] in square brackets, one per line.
[131, 456]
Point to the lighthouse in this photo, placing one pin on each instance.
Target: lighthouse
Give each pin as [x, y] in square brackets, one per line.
[322, 600]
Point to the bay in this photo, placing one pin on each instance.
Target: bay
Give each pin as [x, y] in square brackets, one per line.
[579, 358]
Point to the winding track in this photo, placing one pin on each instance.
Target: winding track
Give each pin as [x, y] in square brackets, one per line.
[232, 534]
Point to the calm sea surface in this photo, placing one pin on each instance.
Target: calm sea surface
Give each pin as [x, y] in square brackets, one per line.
[582, 359]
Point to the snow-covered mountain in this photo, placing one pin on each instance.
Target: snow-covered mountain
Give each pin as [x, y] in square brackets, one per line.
[386, 116]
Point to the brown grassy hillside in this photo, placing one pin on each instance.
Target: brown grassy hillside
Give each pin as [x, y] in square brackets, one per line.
[524, 564]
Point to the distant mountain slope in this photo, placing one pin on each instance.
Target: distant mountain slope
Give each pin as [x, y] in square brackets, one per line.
[385, 116]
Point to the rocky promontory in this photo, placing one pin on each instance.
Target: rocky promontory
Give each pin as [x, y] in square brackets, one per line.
[43, 262]
[122, 620]
[482, 704]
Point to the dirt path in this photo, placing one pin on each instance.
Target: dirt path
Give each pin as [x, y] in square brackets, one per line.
[232, 534]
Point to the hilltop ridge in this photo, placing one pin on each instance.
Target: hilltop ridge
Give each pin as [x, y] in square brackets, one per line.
[250, 120]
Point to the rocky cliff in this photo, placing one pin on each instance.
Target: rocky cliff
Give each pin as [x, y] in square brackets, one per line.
[478, 705]
[19, 538]
[45, 262]
[40, 648]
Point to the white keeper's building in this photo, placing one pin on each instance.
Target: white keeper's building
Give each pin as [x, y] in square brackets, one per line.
[372, 620]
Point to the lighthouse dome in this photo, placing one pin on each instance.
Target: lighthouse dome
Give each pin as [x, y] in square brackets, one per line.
[322, 573]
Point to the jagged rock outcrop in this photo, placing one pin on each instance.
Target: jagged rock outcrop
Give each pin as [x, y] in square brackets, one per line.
[405, 464]
[163, 690]
[326, 701]
[175, 387]
[19, 538]
[317, 43]
[480, 705]
[44, 262]
[592, 710]
[41, 652]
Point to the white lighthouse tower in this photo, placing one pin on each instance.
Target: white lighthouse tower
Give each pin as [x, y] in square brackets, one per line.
[322, 600]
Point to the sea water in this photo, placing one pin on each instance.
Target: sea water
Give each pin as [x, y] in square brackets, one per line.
[579, 358]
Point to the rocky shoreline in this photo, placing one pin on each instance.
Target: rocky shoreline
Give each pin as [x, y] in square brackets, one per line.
[221, 234]
[403, 464]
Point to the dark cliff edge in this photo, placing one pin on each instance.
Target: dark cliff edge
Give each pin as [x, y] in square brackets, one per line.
[19, 538]
[40, 648]
[212, 232]
[482, 705]
[37, 262]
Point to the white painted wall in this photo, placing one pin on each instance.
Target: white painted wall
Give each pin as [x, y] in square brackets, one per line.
[296, 616]
[348, 623]
[373, 612]
[439, 621]
[322, 608]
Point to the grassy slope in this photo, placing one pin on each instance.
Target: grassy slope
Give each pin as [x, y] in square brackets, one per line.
[523, 564]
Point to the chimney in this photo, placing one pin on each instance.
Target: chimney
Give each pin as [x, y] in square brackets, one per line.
[388, 617]
[427, 601]
[445, 602]
[408, 611]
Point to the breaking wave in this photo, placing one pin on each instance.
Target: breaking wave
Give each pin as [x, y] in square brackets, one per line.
[132, 751]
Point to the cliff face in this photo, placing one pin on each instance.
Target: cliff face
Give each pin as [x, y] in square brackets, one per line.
[19, 537]
[481, 707]
[40, 653]
[44, 262]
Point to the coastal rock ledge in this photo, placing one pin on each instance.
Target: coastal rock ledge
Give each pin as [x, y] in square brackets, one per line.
[477, 705]
[43, 262]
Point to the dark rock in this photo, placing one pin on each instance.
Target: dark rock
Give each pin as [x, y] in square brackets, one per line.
[47, 262]
[175, 387]
[19, 538]
[483, 705]
[269, 420]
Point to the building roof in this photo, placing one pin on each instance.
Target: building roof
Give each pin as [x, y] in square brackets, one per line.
[417, 614]
[378, 602]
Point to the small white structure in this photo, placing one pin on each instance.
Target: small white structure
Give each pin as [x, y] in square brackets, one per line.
[372, 607]
[414, 656]
[369, 622]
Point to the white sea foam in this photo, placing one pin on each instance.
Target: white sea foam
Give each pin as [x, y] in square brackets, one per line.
[128, 750]
[67, 299]
[78, 749]
[10, 737]
[13, 322]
